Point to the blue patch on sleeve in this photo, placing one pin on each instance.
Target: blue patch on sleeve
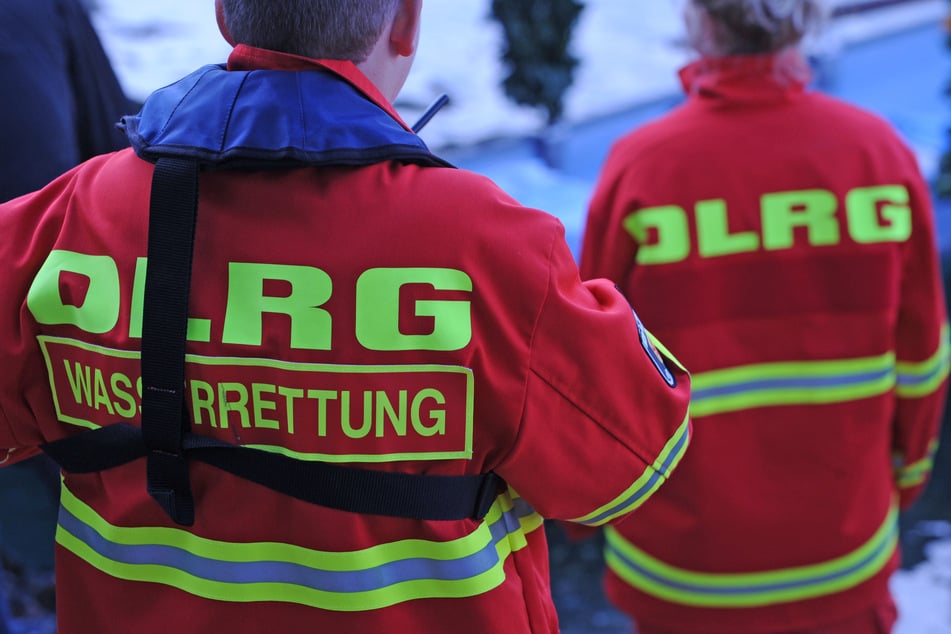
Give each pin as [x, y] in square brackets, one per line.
[653, 354]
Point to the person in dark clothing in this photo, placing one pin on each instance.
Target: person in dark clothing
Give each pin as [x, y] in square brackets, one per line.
[63, 99]
[61, 103]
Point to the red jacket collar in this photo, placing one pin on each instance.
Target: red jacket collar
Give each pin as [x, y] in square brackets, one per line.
[748, 78]
[245, 57]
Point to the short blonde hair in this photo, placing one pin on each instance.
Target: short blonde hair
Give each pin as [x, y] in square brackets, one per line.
[761, 26]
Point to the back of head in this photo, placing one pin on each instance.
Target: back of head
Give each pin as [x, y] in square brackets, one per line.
[327, 29]
[745, 27]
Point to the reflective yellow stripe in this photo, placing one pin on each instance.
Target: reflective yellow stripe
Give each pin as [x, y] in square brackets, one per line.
[367, 579]
[921, 379]
[789, 383]
[649, 481]
[818, 382]
[687, 587]
[663, 349]
[910, 475]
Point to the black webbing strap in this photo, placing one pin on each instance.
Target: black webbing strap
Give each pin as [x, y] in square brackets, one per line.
[164, 438]
[430, 497]
[172, 212]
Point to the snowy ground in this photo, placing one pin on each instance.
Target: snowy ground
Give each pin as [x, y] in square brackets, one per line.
[924, 593]
[629, 52]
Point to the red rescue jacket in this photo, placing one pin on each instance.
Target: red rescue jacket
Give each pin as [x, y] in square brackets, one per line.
[365, 310]
[782, 244]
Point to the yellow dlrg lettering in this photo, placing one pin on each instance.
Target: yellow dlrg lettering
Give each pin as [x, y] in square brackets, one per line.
[197, 329]
[85, 291]
[713, 233]
[378, 309]
[863, 207]
[814, 210]
[97, 311]
[662, 234]
[872, 214]
[310, 326]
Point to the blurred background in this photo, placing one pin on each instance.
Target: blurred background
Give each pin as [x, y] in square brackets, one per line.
[618, 71]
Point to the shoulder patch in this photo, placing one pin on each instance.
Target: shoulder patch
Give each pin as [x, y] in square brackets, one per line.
[653, 354]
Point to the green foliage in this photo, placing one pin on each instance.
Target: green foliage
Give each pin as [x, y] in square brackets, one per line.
[537, 35]
[943, 181]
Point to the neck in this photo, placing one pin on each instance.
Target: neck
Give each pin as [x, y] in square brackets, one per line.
[386, 71]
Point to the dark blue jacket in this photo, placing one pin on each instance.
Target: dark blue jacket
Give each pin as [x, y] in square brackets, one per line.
[61, 97]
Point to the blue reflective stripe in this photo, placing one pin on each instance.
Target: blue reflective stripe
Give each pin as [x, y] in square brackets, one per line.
[633, 501]
[644, 486]
[908, 379]
[647, 488]
[791, 382]
[758, 588]
[282, 572]
[118, 551]
[780, 383]
[912, 474]
[675, 455]
[923, 378]
[749, 589]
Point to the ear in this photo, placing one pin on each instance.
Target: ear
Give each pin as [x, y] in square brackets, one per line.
[220, 17]
[404, 35]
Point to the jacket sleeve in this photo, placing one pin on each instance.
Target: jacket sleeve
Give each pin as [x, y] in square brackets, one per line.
[29, 225]
[604, 420]
[11, 450]
[921, 351]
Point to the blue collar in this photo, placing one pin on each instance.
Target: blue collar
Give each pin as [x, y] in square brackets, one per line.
[267, 119]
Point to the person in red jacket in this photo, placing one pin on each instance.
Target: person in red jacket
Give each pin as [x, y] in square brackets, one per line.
[301, 374]
[781, 243]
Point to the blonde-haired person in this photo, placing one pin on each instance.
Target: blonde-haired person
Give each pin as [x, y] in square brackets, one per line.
[781, 243]
[302, 374]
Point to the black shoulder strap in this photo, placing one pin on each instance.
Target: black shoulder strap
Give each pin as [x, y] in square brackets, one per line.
[172, 213]
[164, 438]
